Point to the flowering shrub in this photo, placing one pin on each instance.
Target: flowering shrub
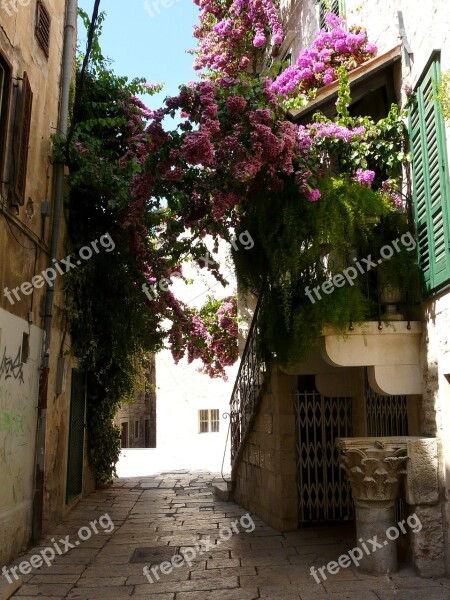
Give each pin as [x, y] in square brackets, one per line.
[317, 66]
[209, 335]
[231, 30]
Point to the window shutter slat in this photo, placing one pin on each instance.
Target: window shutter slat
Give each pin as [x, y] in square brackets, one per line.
[43, 25]
[20, 175]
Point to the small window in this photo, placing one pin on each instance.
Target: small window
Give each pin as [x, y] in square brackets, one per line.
[203, 421]
[326, 6]
[43, 24]
[209, 421]
[215, 420]
[21, 150]
[124, 435]
[25, 353]
[136, 429]
[5, 86]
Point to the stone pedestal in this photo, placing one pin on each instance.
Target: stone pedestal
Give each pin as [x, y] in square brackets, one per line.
[373, 519]
[375, 468]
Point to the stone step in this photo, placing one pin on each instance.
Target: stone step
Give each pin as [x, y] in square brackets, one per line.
[8, 589]
[223, 490]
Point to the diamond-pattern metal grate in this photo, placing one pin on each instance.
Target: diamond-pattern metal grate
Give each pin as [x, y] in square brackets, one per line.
[323, 491]
[386, 415]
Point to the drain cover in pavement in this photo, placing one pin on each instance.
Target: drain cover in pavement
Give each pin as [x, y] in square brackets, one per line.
[153, 555]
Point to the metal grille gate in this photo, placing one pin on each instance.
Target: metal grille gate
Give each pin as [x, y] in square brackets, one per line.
[386, 415]
[323, 491]
[76, 435]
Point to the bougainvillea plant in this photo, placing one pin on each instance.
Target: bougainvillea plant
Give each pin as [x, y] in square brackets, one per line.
[236, 151]
[230, 33]
[317, 66]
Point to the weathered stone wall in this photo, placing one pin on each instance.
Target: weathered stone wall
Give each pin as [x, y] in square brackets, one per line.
[24, 253]
[266, 473]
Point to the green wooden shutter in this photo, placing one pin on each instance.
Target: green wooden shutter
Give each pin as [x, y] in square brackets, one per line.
[430, 180]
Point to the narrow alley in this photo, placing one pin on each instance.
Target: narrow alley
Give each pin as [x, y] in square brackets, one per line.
[142, 522]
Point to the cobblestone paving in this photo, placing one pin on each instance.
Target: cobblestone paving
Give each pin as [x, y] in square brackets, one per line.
[177, 511]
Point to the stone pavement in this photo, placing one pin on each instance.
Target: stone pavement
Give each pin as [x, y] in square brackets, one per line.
[169, 512]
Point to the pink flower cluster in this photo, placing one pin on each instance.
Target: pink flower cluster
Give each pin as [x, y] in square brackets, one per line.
[227, 30]
[389, 188]
[208, 336]
[238, 143]
[365, 177]
[316, 66]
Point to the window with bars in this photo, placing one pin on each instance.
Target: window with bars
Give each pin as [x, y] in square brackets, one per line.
[325, 6]
[208, 421]
[430, 180]
[25, 104]
[43, 26]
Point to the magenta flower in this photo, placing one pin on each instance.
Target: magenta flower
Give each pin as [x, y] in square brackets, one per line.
[244, 62]
[365, 177]
[370, 48]
[259, 40]
[314, 195]
[316, 65]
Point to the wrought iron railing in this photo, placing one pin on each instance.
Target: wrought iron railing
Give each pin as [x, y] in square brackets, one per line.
[247, 391]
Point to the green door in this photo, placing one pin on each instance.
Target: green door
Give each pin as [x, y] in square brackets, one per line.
[76, 435]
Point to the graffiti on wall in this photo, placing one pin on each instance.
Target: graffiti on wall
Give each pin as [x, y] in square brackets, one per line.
[12, 367]
[11, 422]
[17, 434]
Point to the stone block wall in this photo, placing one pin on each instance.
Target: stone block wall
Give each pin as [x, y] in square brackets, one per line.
[141, 409]
[265, 475]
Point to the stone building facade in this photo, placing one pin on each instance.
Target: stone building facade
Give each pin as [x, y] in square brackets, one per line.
[374, 385]
[137, 419]
[35, 401]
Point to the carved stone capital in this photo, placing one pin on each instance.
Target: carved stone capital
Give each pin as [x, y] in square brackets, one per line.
[374, 466]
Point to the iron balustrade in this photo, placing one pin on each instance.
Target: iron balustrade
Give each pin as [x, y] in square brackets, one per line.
[248, 388]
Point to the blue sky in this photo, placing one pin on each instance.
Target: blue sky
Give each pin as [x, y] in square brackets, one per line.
[154, 47]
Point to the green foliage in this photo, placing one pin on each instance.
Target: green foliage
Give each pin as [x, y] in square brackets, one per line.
[111, 327]
[299, 245]
[105, 450]
[443, 95]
